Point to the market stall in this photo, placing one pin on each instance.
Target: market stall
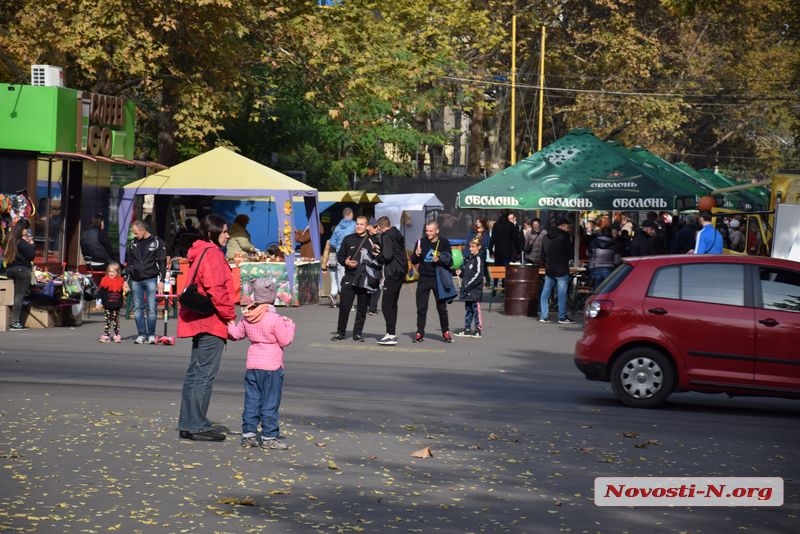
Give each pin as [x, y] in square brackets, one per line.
[580, 172]
[224, 173]
[329, 206]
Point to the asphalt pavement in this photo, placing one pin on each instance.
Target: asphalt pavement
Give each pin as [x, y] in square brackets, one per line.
[516, 437]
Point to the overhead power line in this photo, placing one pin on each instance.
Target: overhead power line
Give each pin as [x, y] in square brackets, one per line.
[622, 93]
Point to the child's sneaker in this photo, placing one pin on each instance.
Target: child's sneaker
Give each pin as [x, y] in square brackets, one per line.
[476, 333]
[446, 337]
[104, 339]
[274, 444]
[461, 332]
[118, 339]
[249, 441]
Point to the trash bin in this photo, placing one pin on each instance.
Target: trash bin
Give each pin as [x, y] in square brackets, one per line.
[522, 290]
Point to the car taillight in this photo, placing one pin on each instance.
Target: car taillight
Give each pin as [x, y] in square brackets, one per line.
[598, 308]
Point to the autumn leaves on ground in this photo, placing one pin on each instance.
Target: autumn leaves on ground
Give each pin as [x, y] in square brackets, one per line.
[371, 475]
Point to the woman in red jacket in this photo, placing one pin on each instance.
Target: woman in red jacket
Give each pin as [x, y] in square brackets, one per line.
[209, 333]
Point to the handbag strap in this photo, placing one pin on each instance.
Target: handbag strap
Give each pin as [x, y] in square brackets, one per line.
[196, 267]
[711, 246]
[360, 245]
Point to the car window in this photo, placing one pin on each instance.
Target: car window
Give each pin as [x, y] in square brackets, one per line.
[666, 283]
[713, 282]
[705, 282]
[780, 289]
[611, 281]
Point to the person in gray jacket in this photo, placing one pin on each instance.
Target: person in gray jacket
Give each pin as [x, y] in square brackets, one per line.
[533, 242]
[603, 255]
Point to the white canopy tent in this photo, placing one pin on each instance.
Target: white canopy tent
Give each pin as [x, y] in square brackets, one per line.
[409, 212]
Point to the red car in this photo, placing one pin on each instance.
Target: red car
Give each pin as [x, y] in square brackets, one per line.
[708, 323]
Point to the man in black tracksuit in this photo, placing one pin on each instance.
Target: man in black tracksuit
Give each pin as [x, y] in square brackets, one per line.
[432, 252]
[354, 250]
[393, 257]
[147, 268]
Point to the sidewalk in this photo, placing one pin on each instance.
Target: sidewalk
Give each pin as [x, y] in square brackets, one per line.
[89, 438]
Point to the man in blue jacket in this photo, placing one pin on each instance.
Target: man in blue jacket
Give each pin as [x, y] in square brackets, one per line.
[345, 227]
[709, 240]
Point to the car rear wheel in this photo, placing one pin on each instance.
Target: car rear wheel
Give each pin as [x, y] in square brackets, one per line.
[642, 378]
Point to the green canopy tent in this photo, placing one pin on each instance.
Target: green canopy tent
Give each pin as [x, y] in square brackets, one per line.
[756, 199]
[581, 172]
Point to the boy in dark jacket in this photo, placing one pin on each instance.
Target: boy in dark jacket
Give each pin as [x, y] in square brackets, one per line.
[472, 291]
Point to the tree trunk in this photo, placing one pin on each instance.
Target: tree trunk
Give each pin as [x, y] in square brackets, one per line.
[167, 145]
[475, 140]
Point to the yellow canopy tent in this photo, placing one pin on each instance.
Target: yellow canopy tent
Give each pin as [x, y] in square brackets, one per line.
[222, 172]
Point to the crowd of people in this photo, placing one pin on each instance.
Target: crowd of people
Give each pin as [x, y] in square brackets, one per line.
[365, 258]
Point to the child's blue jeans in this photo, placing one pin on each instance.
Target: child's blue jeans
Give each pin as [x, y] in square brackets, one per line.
[262, 398]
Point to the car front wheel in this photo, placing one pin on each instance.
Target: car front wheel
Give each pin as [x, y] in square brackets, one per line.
[642, 378]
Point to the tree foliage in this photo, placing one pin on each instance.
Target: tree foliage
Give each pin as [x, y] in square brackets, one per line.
[364, 87]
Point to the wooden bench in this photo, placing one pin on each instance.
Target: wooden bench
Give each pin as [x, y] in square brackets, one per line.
[496, 273]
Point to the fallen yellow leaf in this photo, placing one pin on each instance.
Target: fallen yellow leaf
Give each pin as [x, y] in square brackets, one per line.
[423, 453]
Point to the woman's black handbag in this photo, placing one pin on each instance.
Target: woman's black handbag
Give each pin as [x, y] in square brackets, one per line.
[192, 299]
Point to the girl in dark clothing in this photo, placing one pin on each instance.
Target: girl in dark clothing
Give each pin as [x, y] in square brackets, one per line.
[113, 296]
[18, 255]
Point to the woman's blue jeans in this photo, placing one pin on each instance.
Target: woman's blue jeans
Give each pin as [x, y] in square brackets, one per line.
[203, 366]
[262, 398]
[561, 283]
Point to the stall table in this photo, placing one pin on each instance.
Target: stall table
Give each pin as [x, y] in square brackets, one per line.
[305, 282]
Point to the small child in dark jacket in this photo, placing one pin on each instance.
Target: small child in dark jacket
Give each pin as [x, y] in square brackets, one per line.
[112, 296]
[472, 291]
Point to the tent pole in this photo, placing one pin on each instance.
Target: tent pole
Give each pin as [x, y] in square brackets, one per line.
[513, 140]
[541, 89]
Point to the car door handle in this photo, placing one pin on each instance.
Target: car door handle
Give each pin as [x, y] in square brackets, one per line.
[769, 322]
[657, 311]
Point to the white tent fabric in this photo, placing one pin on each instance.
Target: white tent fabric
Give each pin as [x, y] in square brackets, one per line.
[409, 212]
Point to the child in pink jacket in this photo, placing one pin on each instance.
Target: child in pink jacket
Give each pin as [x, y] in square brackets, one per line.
[268, 332]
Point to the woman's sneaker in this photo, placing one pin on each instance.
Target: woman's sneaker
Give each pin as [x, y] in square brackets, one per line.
[446, 337]
[418, 337]
[104, 339]
[476, 333]
[461, 332]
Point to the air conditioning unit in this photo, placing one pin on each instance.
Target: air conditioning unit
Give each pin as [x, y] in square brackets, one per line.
[47, 75]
